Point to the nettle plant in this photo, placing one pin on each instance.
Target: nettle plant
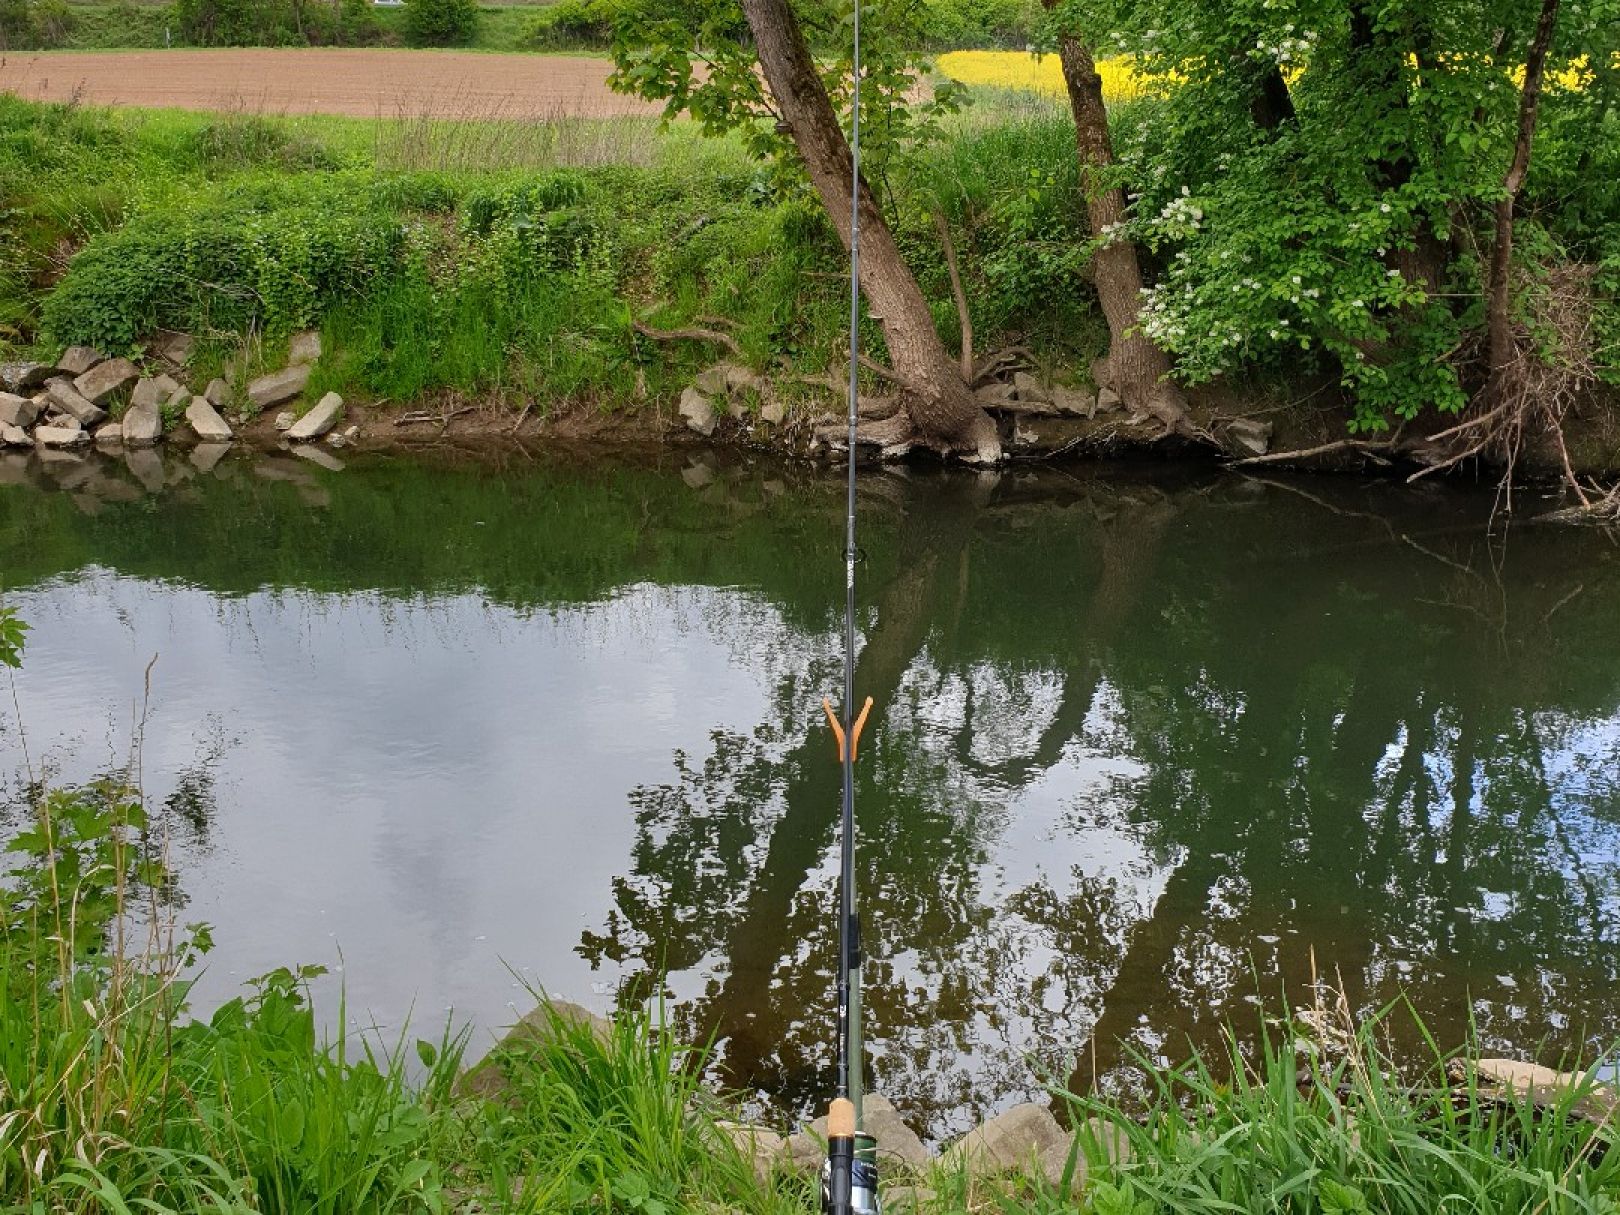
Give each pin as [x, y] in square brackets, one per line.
[1316, 178]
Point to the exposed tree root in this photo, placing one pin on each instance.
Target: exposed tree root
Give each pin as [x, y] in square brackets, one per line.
[1547, 370]
[694, 333]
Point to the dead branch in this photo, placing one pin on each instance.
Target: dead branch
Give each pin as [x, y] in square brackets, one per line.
[691, 333]
[962, 313]
[1008, 358]
[420, 417]
[1306, 453]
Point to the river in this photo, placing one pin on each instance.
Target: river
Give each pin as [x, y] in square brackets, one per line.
[1152, 748]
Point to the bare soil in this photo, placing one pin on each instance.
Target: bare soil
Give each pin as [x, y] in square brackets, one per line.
[358, 82]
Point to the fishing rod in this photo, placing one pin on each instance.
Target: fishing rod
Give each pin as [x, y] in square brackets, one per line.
[849, 1181]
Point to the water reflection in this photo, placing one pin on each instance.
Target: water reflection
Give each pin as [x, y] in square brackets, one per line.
[1141, 739]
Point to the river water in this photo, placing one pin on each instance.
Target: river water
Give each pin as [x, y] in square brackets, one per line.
[1150, 747]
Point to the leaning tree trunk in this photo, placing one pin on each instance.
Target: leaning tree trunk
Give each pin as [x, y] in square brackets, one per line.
[1137, 369]
[937, 407]
[1499, 318]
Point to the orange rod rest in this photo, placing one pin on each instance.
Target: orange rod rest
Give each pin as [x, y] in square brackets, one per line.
[854, 740]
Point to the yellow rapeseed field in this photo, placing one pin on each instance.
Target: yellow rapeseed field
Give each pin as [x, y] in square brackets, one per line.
[1037, 74]
[1043, 74]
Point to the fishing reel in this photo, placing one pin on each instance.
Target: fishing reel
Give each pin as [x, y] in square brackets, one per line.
[849, 1178]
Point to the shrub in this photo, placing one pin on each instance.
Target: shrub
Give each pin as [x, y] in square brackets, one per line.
[572, 23]
[440, 22]
[33, 23]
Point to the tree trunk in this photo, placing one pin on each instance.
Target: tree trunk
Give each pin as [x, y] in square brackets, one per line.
[1138, 370]
[1500, 320]
[935, 399]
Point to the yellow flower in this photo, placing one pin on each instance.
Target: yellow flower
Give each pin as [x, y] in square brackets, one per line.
[1036, 73]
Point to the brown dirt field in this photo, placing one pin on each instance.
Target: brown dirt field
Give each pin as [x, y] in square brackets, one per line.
[363, 83]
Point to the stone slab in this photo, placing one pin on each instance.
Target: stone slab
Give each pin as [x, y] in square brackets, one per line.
[279, 386]
[107, 382]
[76, 360]
[64, 396]
[143, 425]
[18, 411]
[318, 420]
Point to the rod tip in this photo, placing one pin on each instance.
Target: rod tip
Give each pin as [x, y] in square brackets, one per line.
[841, 1119]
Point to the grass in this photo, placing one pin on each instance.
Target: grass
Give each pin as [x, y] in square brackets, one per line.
[500, 256]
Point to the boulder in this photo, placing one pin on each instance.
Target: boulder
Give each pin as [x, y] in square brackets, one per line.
[206, 423]
[109, 436]
[218, 393]
[897, 1143]
[206, 456]
[18, 411]
[772, 410]
[742, 379]
[1012, 1141]
[59, 436]
[143, 425]
[315, 455]
[318, 420]
[711, 381]
[1109, 401]
[147, 392]
[487, 1079]
[64, 396]
[304, 348]
[176, 348]
[765, 1149]
[14, 436]
[107, 382]
[1029, 388]
[698, 411]
[997, 394]
[1247, 437]
[285, 419]
[280, 386]
[1074, 403]
[24, 377]
[76, 360]
[1545, 1086]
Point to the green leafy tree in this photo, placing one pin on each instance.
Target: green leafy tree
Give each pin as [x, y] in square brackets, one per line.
[749, 67]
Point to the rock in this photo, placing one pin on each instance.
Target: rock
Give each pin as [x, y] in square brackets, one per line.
[143, 425]
[315, 455]
[1102, 373]
[997, 394]
[352, 433]
[109, 436]
[64, 396]
[1248, 437]
[171, 387]
[1011, 1141]
[805, 1152]
[1102, 1139]
[336, 439]
[205, 456]
[176, 348]
[107, 382]
[772, 410]
[764, 1148]
[1545, 1086]
[318, 420]
[206, 423]
[304, 349]
[280, 386]
[698, 411]
[59, 436]
[737, 409]
[14, 436]
[218, 393]
[907, 1197]
[897, 1142]
[18, 411]
[147, 392]
[76, 360]
[24, 377]
[1029, 388]
[147, 467]
[741, 379]
[487, 1079]
[1108, 401]
[1074, 403]
[285, 419]
[711, 381]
